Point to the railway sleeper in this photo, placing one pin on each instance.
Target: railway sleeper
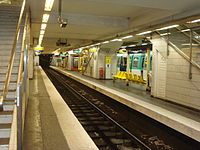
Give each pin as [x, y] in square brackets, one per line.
[89, 129]
[99, 122]
[80, 108]
[82, 111]
[121, 147]
[87, 115]
[93, 119]
[100, 142]
[73, 105]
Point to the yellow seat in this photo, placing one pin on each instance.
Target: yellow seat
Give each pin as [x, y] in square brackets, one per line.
[135, 78]
[140, 80]
[123, 75]
[130, 76]
[117, 75]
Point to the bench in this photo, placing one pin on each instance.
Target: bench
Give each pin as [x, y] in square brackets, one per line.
[129, 77]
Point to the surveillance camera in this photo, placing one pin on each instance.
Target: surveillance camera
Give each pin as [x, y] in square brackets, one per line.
[63, 23]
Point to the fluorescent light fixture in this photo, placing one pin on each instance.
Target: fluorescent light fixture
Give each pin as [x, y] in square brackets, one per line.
[131, 46]
[186, 30]
[168, 27]
[163, 34]
[194, 21]
[188, 44]
[43, 26]
[144, 44]
[40, 39]
[197, 37]
[45, 18]
[123, 46]
[126, 37]
[105, 42]
[40, 42]
[42, 32]
[143, 33]
[98, 44]
[48, 5]
[41, 36]
[116, 40]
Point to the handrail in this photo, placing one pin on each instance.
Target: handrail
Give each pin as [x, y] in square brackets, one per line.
[20, 70]
[13, 52]
[181, 53]
[184, 55]
[194, 39]
[87, 63]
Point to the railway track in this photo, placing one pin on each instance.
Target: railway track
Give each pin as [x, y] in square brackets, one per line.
[105, 132]
[106, 125]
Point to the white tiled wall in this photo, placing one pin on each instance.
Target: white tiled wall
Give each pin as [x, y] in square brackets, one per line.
[179, 88]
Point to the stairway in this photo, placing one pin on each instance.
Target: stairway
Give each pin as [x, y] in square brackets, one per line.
[8, 22]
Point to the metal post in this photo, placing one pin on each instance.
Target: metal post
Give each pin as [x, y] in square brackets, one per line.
[19, 116]
[59, 11]
[25, 67]
[1, 103]
[128, 63]
[168, 42]
[190, 66]
[148, 67]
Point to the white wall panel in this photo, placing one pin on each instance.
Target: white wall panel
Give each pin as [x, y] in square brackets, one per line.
[180, 88]
[159, 68]
[170, 76]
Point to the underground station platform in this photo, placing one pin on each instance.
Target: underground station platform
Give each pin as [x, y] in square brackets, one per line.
[50, 124]
[179, 118]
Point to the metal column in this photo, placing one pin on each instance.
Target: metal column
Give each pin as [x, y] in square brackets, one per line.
[148, 68]
[190, 66]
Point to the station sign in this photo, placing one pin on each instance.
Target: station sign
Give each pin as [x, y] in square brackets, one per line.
[62, 55]
[77, 52]
[38, 49]
[92, 50]
[108, 60]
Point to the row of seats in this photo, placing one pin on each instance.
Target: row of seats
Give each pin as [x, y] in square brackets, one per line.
[129, 77]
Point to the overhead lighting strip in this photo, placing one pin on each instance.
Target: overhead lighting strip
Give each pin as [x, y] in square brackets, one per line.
[168, 27]
[127, 37]
[142, 33]
[48, 5]
[194, 21]
[45, 19]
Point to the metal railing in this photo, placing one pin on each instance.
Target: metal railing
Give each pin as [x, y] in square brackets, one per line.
[191, 61]
[12, 58]
[87, 64]
[22, 81]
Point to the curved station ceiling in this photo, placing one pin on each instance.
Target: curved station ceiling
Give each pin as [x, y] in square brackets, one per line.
[94, 20]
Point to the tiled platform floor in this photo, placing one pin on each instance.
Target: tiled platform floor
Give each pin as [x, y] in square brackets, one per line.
[50, 124]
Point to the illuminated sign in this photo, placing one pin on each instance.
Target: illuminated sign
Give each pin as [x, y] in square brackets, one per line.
[62, 55]
[93, 50]
[38, 49]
